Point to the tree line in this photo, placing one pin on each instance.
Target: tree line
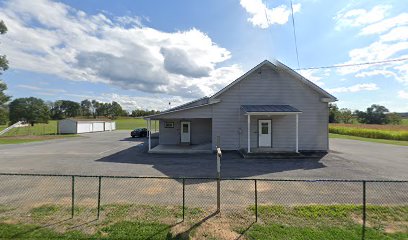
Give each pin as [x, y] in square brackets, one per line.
[35, 110]
[375, 114]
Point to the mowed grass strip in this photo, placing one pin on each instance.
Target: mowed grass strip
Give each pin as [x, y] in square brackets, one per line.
[38, 129]
[376, 132]
[28, 139]
[133, 123]
[329, 222]
[130, 221]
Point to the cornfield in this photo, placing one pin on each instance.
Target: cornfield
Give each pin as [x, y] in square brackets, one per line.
[390, 132]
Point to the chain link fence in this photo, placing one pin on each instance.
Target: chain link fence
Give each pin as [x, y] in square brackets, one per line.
[36, 198]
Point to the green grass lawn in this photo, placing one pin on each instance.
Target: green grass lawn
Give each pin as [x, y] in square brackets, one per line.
[394, 142]
[128, 221]
[39, 129]
[28, 139]
[334, 222]
[132, 123]
[50, 128]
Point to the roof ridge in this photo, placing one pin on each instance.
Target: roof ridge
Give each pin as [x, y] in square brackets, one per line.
[279, 65]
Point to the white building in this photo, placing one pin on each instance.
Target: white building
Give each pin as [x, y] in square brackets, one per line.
[74, 126]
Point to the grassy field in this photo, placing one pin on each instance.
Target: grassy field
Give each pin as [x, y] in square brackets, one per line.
[28, 139]
[393, 142]
[39, 129]
[42, 131]
[389, 132]
[127, 221]
[132, 123]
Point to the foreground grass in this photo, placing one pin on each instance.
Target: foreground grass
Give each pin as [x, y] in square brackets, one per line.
[330, 222]
[393, 142]
[128, 221]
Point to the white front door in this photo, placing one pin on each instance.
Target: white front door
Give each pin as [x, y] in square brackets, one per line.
[265, 133]
[185, 132]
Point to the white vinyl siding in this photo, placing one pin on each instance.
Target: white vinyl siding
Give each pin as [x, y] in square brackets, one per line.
[98, 126]
[84, 127]
[200, 131]
[269, 87]
[72, 126]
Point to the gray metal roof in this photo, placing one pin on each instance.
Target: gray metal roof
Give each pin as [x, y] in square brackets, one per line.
[195, 103]
[269, 108]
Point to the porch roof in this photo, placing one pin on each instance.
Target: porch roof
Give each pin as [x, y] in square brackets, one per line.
[269, 109]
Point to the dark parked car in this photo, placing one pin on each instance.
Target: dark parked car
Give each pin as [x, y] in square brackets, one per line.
[139, 132]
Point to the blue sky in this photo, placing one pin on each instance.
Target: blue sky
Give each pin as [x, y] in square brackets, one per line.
[144, 54]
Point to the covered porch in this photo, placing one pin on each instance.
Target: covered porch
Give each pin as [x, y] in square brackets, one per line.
[270, 129]
[182, 135]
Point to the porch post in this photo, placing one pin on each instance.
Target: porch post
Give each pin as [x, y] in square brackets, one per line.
[149, 126]
[249, 133]
[297, 132]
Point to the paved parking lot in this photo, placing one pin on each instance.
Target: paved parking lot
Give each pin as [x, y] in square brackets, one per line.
[114, 153]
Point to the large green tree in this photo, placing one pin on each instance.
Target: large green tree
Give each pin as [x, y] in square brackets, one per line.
[115, 110]
[345, 115]
[86, 108]
[333, 113]
[3, 87]
[32, 110]
[65, 109]
[373, 115]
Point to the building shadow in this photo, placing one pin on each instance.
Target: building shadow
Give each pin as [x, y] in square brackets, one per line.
[203, 165]
[186, 234]
[20, 235]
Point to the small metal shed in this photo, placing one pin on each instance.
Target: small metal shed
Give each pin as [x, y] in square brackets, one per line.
[74, 126]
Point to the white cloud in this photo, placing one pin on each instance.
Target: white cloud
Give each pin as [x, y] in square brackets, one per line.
[54, 38]
[42, 90]
[403, 94]
[396, 34]
[375, 72]
[385, 25]
[263, 17]
[360, 17]
[315, 75]
[355, 88]
[391, 42]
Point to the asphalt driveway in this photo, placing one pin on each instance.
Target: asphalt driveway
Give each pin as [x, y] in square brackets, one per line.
[114, 153]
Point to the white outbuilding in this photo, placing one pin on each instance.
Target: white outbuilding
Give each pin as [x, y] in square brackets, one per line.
[74, 126]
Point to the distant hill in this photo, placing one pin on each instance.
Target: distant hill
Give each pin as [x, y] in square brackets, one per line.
[404, 114]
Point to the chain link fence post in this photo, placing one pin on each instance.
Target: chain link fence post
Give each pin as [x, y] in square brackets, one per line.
[364, 210]
[219, 155]
[184, 197]
[99, 197]
[256, 201]
[72, 196]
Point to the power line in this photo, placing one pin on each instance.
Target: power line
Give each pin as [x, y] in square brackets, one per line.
[294, 34]
[356, 64]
